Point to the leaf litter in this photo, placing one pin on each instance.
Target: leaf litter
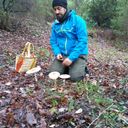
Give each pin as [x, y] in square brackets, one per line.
[25, 103]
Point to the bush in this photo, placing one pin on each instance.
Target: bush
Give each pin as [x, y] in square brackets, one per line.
[102, 11]
[42, 10]
[12, 12]
[7, 22]
[3, 19]
[121, 21]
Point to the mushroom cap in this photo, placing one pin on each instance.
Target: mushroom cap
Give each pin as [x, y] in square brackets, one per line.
[64, 76]
[34, 70]
[54, 75]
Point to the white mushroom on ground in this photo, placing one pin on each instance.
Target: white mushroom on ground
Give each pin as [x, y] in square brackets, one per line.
[64, 77]
[54, 75]
[34, 71]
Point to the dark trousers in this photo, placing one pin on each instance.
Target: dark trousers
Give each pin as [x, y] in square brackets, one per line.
[76, 70]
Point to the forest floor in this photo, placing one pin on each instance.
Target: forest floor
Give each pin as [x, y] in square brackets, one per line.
[100, 101]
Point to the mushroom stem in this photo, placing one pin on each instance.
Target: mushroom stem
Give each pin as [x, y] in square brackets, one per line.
[35, 77]
[54, 75]
[55, 84]
[64, 82]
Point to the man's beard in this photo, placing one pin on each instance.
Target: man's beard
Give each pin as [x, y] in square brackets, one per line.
[62, 17]
[59, 17]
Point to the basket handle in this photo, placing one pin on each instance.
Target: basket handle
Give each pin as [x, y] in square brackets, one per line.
[27, 49]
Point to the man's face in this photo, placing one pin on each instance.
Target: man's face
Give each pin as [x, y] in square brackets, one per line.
[59, 11]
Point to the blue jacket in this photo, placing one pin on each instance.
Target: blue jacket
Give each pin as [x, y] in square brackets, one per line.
[70, 37]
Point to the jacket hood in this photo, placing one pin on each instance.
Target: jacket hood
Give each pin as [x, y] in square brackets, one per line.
[72, 12]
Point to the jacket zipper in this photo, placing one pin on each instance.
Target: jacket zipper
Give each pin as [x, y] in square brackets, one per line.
[65, 41]
[66, 46]
[61, 28]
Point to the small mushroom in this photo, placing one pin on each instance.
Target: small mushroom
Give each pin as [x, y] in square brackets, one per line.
[34, 71]
[64, 77]
[54, 75]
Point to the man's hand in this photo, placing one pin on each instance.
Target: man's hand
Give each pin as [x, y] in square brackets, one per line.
[67, 62]
[60, 57]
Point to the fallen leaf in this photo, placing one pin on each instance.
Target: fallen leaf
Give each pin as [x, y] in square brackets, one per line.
[43, 123]
[52, 126]
[79, 111]
[31, 118]
[62, 109]
[8, 83]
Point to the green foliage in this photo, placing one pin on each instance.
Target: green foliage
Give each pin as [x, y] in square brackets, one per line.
[93, 93]
[54, 102]
[81, 87]
[120, 44]
[71, 105]
[10, 61]
[9, 57]
[102, 11]
[3, 19]
[43, 53]
[53, 93]
[83, 9]
[16, 6]
[11, 13]
[7, 5]
[119, 107]
[42, 10]
[124, 81]
[84, 87]
[103, 101]
[110, 118]
[71, 4]
[120, 22]
[92, 88]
